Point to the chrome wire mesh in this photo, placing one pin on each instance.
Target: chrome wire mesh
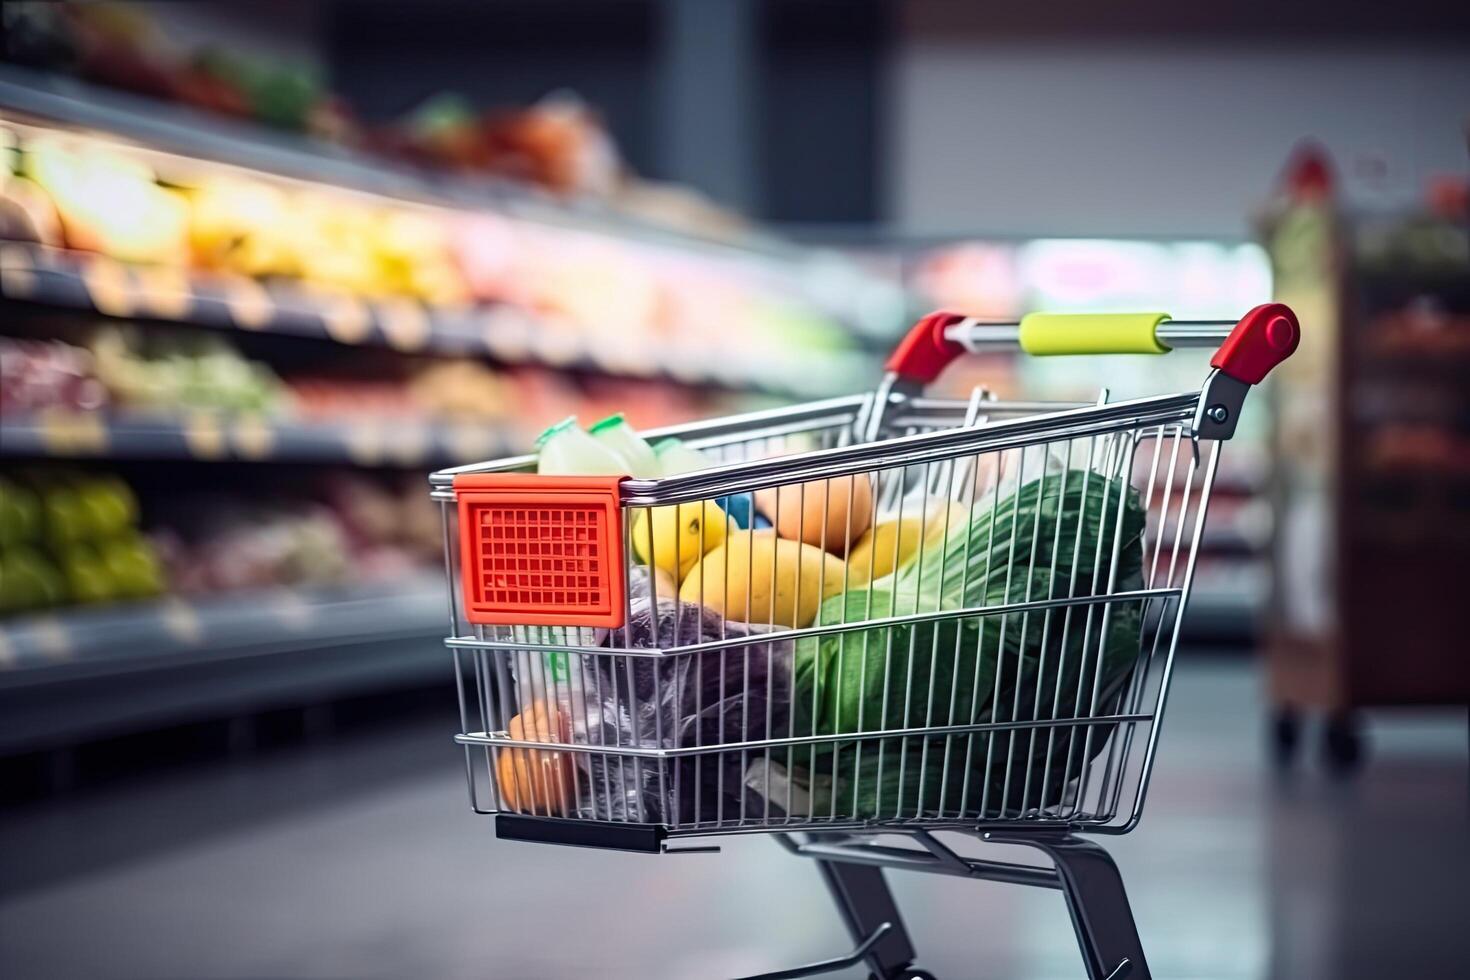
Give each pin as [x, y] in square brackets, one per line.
[1012, 670]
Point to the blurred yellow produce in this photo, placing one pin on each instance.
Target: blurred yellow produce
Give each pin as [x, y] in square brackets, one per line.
[245, 226]
[414, 253]
[334, 244]
[110, 203]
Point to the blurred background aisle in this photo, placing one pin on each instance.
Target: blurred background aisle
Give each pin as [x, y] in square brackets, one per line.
[264, 266]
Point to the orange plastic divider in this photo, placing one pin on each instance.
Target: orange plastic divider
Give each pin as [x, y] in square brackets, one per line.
[541, 550]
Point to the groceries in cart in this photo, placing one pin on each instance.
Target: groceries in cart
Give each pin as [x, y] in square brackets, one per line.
[711, 591]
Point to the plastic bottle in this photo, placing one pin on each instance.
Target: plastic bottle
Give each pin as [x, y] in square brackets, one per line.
[675, 457]
[565, 450]
[616, 434]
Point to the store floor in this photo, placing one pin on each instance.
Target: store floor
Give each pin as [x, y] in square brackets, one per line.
[359, 858]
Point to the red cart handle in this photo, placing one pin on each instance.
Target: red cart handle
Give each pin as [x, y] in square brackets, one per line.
[1263, 338]
[924, 351]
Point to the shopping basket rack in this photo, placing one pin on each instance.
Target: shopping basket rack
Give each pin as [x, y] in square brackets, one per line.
[962, 617]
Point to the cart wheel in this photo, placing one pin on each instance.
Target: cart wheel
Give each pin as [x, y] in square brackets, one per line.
[1286, 733]
[1342, 744]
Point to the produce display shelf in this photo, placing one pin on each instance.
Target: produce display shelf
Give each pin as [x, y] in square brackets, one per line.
[91, 670]
[92, 283]
[227, 625]
[215, 436]
[824, 278]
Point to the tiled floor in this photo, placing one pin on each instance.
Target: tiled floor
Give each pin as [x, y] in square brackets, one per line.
[362, 860]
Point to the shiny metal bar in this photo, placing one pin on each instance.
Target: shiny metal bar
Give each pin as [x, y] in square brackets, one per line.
[647, 752]
[912, 859]
[1025, 624]
[756, 474]
[826, 629]
[955, 469]
[1047, 617]
[980, 335]
[1151, 749]
[980, 647]
[911, 450]
[1125, 466]
[1076, 548]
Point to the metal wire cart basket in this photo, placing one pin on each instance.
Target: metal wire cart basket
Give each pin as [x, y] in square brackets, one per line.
[883, 615]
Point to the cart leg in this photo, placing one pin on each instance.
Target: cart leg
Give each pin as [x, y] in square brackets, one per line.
[863, 898]
[1098, 904]
[1286, 731]
[1342, 743]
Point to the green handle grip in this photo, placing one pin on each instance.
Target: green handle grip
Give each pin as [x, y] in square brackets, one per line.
[1044, 334]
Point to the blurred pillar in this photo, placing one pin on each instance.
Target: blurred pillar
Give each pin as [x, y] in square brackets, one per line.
[707, 88]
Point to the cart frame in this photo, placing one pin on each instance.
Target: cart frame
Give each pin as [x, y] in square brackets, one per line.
[899, 439]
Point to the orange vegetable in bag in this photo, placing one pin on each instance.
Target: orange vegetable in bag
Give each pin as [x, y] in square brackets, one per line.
[538, 781]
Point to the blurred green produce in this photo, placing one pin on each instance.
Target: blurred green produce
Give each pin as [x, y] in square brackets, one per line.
[184, 369]
[68, 537]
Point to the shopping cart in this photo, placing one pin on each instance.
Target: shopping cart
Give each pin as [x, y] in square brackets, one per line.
[640, 661]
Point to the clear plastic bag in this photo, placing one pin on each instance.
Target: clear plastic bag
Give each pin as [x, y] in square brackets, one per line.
[740, 693]
[999, 474]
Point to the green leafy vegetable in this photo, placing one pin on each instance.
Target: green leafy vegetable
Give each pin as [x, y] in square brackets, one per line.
[1020, 666]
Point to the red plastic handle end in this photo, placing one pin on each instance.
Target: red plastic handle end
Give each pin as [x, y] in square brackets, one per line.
[1263, 338]
[924, 352]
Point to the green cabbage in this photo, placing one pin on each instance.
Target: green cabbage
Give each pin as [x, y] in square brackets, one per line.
[975, 669]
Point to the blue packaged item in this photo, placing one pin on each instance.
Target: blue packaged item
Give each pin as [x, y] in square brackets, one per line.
[739, 509]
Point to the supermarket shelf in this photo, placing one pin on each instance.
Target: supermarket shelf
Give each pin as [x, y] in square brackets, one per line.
[89, 672]
[178, 128]
[113, 637]
[211, 436]
[825, 279]
[32, 273]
